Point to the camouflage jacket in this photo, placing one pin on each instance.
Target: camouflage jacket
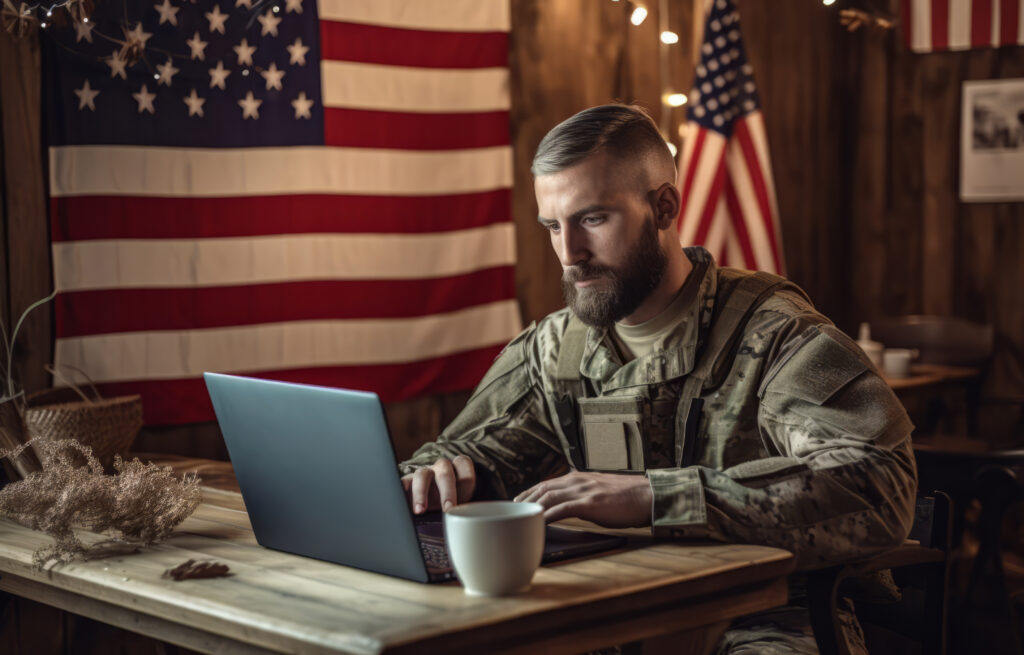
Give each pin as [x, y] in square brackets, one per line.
[803, 446]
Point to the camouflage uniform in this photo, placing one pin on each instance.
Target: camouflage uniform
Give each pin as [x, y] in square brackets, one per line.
[802, 446]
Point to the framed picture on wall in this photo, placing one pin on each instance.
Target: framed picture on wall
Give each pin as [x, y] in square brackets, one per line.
[992, 141]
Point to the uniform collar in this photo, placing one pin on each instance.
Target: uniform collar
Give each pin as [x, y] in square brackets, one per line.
[602, 365]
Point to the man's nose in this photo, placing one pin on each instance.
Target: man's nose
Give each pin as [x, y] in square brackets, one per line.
[570, 246]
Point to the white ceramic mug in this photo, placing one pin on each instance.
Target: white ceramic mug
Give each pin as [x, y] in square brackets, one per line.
[495, 546]
[896, 362]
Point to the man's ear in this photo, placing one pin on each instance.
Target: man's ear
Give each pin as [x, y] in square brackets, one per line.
[667, 202]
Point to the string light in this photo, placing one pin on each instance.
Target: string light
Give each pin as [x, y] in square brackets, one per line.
[675, 99]
[277, 9]
[639, 15]
[668, 37]
[828, 3]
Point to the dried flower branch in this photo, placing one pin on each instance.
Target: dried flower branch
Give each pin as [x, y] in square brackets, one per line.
[138, 506]
[192, 569]
[854, 19]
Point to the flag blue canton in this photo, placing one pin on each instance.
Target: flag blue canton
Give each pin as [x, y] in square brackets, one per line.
[724, 89]
[213, 74]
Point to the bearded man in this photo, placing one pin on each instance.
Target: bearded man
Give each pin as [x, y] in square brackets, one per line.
[701, 401]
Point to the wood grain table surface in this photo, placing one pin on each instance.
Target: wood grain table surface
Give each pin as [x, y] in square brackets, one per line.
[675, 596]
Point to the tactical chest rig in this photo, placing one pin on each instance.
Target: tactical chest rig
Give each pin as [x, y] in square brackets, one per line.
[615, 433]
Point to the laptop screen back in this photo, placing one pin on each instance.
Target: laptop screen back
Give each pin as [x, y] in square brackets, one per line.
[317, 473]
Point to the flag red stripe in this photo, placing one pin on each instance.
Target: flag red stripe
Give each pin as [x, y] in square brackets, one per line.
[981, 22]
[1009, 16]
[106, 311]
[906, 11]
[742, 134]
[374, 44]
[173, 402]
[711, 201]
[78, 218]
[739, 225]
[940, 24]
[408, 131]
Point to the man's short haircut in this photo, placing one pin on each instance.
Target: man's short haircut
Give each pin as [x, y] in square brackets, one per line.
[623, 131]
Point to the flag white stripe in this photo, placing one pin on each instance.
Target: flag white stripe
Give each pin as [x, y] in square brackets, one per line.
[734, 252]
[173, 263]
[703, 179]
[750, 209]
[720, 228]
[441, 15]
[996, 19]
[230, 172]
[187, 353]
[959, 24]
[400, 88]
[759, 137]
[1020, 23]
[921, 26]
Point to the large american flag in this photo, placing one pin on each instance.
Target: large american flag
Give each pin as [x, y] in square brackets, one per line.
[314, 192]
[725, 173]
[930, 25]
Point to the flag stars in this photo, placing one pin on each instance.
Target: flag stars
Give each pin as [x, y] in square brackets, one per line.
[706, 87]
[715, 25]
[168, 12]
[216, 19]
[719, 81]
[136, 36]
[725, 59]
[86, 96]
[244, 52]
[117, 65]
[272, 76]
[297, 53]
[707, 49]
[720, 42]
[293, 5]
[302, 105]
[269, 23]
[167, 72]
[145, 100]
[195, 104]
[718, 120]
[250, 106]
[219, 75]
[699, 111]
[734, 36]
[713, 64]
[83, 31]
[198, 47]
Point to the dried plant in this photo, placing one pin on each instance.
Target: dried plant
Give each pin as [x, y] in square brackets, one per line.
[137, 506]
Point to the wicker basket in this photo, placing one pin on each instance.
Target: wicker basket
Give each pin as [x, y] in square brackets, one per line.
[107, 425]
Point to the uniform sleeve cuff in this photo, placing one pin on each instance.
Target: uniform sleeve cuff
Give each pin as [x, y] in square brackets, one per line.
[678, 500]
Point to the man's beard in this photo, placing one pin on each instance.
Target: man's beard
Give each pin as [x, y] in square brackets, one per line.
[628, 287]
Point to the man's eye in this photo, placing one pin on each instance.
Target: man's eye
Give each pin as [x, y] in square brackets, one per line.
[593, 220]
[551, 227]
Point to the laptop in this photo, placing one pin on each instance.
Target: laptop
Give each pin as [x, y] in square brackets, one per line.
[318, 476]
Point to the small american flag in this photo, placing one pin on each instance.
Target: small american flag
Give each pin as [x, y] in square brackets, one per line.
[310, 191]
[725, 172]
[930, 25]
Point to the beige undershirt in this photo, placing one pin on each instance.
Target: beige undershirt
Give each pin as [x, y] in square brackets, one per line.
[635, 341]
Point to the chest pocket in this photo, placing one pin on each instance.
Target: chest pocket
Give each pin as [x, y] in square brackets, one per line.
[612, 433]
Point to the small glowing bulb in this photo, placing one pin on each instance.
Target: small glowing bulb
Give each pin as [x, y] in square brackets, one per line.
[49, 12]
[85, 20]
[43, 24]
[245, 73]
[156, 76]
[675, 99]
[672, 148]
[277, 9]
[828, 3]
[669, 38]
[638, 15]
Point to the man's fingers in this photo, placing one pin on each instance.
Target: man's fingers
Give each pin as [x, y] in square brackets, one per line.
[465, 477]
[444, 478]
[422, 480]
[568, 509]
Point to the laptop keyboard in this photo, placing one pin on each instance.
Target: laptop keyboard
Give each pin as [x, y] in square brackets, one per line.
[430, 532]
[434, 554]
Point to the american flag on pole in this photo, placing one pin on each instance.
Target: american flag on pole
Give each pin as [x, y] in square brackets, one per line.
[308, 191]
[930, 25]
[725, 173]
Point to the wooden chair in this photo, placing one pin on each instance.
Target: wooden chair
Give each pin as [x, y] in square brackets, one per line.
[921, 568]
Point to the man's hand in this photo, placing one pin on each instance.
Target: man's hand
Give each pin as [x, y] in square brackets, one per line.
[608, 499]
[442, 485]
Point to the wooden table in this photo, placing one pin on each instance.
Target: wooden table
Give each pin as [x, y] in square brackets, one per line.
[676, 596]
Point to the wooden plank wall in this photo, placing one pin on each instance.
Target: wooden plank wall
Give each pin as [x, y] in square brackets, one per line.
[864, 139]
